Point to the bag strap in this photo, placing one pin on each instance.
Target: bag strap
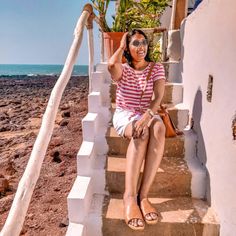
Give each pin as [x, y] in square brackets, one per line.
[148, 77]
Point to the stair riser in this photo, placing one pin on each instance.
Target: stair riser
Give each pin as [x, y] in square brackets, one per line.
[97, 81]
[173, 93]
[80, 198]
[118, 227]
[173, 146]
[164, 185]
[179, 117]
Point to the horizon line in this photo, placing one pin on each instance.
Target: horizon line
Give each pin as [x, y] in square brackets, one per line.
[40, 64]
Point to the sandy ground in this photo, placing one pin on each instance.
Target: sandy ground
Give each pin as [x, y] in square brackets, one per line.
[22, 104]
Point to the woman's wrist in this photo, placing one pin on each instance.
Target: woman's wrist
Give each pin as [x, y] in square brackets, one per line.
[122, 48]
[150, 112]
[147, 116]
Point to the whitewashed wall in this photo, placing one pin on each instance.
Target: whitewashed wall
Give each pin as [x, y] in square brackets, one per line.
[209, 48]
[166, 17]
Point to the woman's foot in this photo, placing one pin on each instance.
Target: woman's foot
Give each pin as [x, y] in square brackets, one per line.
[149, 212]
[133, 215]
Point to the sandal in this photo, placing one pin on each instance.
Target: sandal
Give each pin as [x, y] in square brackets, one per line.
[132, 211]
[147, 208]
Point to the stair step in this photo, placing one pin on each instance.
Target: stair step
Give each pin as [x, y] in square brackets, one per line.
[102, 66]
[85, 158]
[79, 199]
[173, 93]
[118, 146]
[97, 81]
[172, 178]
[94, 102]
[89, 126]
[178, 217]
[75, 229]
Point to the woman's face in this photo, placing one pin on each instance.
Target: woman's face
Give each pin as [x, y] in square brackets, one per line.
[138, 47]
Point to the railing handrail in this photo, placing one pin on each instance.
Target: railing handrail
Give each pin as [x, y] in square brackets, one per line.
[16, 216]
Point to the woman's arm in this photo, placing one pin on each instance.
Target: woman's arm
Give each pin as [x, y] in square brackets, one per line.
[115, 62]
[159, 89]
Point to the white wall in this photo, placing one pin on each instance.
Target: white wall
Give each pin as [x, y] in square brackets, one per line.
[209, 48]
[166, 17]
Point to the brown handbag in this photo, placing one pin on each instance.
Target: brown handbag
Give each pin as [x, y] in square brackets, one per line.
[171, 130]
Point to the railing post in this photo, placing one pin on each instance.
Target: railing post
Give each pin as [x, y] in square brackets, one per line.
[16, 216]
[89, 26]
[102, 48]
[97, 20]
[173, 14]
[164, 45]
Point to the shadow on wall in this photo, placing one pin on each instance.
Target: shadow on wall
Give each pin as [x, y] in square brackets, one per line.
[201, 149]
[196, 116]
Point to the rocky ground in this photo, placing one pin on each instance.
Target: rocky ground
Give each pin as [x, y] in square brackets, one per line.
[22, 104]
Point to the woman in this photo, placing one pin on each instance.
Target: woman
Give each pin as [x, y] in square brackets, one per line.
[135, 118]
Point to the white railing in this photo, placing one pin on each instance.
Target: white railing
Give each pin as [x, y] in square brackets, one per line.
[16, 216]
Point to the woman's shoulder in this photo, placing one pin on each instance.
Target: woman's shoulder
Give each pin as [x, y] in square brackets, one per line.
[158, 65]
[158, 71]
[126, 66]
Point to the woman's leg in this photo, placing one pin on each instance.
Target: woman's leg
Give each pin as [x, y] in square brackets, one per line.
[153, 159]
[134, 159]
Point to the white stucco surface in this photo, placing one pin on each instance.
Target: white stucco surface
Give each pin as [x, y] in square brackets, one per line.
[209, 48]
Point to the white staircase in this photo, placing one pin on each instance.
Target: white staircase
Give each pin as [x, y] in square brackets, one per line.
[86, 199]
[86, 196]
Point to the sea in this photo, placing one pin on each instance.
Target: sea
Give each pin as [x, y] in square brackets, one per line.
[11, 70]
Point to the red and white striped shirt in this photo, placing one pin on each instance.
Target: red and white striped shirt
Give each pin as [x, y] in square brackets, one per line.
[129, 88]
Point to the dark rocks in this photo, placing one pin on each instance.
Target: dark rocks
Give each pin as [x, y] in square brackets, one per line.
[61, 174]
[64, 222]
[57, 189]
[10, 170]
[56, 141]
[64, 122]
[21, 100]
[65, 114]
[5, 128]
[56, 157]
[4, 185]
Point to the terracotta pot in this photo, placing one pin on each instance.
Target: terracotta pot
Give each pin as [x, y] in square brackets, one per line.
[112, 43]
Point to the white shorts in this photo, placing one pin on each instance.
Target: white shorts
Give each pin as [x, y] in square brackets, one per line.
[122, 118]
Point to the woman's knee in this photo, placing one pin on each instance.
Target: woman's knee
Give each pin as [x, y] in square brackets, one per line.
[158, 129]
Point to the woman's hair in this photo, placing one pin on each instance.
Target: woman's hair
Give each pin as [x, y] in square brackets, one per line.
[128, 39]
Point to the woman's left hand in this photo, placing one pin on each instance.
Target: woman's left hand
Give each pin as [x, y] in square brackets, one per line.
[141, 125]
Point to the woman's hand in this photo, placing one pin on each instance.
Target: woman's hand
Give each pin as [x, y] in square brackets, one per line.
[114, 63]
[123, 41]
[141, 125]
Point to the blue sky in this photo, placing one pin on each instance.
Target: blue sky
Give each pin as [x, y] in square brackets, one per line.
[41, 31]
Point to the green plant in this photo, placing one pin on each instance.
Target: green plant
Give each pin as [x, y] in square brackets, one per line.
[101, 6]
[121, 19]
[146, 13]
[131, 14]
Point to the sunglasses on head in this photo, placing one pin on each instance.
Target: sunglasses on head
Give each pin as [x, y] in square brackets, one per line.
[138, 43]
